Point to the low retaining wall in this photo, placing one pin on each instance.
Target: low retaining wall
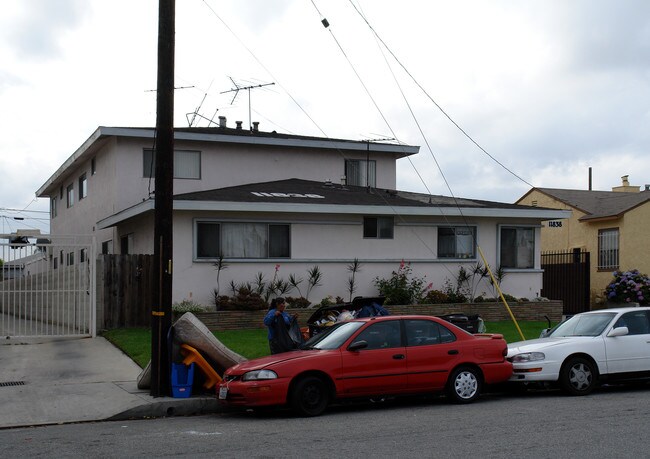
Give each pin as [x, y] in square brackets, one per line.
[490, 312]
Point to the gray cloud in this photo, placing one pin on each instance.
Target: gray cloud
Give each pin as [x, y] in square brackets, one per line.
[36, 32]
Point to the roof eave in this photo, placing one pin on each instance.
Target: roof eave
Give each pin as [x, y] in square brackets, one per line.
[229, 206]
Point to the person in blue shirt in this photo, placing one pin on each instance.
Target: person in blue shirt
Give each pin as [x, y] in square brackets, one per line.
[276, 312]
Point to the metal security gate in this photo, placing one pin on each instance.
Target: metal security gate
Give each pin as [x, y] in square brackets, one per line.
[566, 278]
[47, 287]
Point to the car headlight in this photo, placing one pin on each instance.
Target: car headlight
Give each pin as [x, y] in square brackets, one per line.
[528, 357]
[258, 375]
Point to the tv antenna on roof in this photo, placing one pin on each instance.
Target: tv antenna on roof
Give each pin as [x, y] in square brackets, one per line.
[238, 88]
[196, 113]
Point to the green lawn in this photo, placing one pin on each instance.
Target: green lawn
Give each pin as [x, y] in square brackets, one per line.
[136, 342]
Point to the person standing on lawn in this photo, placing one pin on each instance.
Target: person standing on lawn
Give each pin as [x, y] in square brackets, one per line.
[274, 319]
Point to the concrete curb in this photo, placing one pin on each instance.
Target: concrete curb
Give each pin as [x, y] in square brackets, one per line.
[167, 406]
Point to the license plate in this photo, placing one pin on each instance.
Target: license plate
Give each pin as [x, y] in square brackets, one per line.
[223, 392]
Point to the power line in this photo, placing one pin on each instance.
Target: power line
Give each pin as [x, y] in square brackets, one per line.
[432, 100]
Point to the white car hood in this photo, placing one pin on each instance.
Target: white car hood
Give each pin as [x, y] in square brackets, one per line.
[541, 344]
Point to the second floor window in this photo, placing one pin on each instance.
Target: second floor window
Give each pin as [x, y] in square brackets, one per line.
[608, 248]
[187, 164]
[456, 242]
[70, 195]
[52, 207]
[83, 187]
[361, 172]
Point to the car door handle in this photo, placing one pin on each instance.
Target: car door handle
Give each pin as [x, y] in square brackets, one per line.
[398, 356]
[452, 352]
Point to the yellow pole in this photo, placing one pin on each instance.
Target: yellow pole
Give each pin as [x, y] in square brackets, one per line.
[496, 284]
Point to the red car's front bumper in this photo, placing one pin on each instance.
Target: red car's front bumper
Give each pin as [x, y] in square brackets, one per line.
[253, 393]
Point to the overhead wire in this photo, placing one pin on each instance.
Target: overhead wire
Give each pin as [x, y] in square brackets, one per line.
[395, 211]
[475, 242]
[424, 91]
[326, 24]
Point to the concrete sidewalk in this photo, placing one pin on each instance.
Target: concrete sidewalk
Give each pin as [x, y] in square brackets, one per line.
[77, 380]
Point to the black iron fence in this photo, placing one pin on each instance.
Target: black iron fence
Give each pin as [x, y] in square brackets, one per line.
[566, 278]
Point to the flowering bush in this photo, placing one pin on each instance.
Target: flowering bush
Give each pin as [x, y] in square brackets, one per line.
[629, 287]
[400, 288]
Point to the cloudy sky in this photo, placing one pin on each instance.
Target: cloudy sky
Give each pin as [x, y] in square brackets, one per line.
[548, 88]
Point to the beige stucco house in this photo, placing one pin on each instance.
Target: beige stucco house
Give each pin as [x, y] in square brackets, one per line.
[264, 199]
[613, 226]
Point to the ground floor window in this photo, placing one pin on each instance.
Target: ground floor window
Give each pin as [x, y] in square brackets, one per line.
[242, 240]
[378, 227]
[517, 247]
[107, 247]
[457, 242]
[126, 244]
[608, 248]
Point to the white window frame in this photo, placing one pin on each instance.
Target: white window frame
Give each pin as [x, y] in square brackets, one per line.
[83, 186]
[107, 247]
[382, 224]
[533, 253]
[257, 247]
[181, 168]
[70, 195]
[458, 254]
[361, 172]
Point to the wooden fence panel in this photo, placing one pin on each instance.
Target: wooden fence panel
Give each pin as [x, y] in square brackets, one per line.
[127, 291]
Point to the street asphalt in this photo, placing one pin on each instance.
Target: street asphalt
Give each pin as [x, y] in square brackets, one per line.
[61, 381]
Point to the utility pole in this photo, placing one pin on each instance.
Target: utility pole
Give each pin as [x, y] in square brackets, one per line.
[161, 309]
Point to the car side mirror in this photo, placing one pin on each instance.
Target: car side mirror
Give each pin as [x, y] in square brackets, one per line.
[545, 333]
[357, 345]
[618, 331]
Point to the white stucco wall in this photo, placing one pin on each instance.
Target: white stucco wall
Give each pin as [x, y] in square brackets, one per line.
[333, 246]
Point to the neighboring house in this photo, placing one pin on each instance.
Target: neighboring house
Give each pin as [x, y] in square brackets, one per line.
[22, 267]
[611, 225]
[264, 199]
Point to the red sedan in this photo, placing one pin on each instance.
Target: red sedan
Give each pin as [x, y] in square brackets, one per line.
[378, 356]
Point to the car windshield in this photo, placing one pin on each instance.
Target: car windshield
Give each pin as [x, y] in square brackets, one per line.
[333, 337]
[583, 325]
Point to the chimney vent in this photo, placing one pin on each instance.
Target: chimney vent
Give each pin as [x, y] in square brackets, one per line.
[256, 126]
[625, 181]
[647, 187]
[238, 123]
[222, 121]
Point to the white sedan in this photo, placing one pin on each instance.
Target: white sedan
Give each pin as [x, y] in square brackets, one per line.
[589, 348]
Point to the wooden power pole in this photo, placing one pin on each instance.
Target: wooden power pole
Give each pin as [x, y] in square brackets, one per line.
[161, 309]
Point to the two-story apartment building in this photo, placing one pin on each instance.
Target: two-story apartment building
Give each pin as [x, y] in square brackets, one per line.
[263, 199]
[611, 225]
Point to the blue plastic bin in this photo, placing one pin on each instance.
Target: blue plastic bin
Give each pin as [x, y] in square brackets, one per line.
[182, 379]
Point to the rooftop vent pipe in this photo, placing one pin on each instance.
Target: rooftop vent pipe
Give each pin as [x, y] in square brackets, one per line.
[238, 123]
[256, 126]
[222, 121]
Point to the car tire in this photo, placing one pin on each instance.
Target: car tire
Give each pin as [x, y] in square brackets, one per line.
[310, 396]
[578, 376]
[464, 385]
